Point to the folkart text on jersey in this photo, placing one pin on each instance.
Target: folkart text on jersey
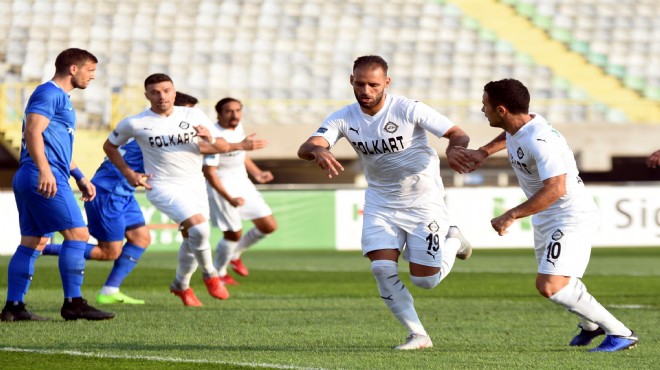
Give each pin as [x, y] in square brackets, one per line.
[379, 146]
[171, 140]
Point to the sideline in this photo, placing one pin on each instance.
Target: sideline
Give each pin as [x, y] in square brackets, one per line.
[154, 358]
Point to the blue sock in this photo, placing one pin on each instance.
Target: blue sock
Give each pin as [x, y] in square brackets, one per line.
[88, 251]
[72, 267]
[129, 257]
[52, 250]
[19, 272]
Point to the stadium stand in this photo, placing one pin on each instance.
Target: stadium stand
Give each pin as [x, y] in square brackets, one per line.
[289, 61]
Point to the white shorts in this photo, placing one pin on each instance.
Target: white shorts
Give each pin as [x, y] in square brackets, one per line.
[180, 202]
[229, 218]
[563, 250]
[421, 231]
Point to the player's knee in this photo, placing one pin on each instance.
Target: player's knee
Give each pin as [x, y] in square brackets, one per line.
[545, 289]
[141, 239]
[268, 228]
[426, 282]
[200, 233]
[112, 254]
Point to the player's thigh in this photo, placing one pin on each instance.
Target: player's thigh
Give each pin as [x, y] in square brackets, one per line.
[379, 232]
[222, 214]
[426, 230]
[106, 216]
[180, 202]
[563, 250]
[40, 216]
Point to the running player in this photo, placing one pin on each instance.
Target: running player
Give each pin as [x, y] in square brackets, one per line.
[564, 214]
[233, 197]
[404, 203]
[173, 140]
[44, 198]
[114, 214]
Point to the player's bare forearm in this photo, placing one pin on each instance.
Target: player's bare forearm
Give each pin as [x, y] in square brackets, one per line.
[212, 178]
[495, 145]
[553, 189]
[458, 159]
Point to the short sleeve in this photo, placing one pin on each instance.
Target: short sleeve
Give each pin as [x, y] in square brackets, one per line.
[330, 130]
[44, 102]
[120, 135]
[429, 119]
[212, 160]
[549, 158]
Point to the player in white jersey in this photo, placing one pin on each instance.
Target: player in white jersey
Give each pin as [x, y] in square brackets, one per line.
[404, 207]
[564, 214]
[173, 140]
[233, 197]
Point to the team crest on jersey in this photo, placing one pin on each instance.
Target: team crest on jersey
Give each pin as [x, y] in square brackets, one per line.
[391, 127]
[520, 153]
[557, 235]
[184, 125]
[433, 226]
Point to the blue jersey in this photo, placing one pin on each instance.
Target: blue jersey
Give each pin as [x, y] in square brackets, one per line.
[110, 178]
[50, 101]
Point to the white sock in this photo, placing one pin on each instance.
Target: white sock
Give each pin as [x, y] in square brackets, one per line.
[396, 296]
[186, 266]
[449, 249]
[106, 290]
[576, 299]
[248, 239]
[223, 251]
[198, 241]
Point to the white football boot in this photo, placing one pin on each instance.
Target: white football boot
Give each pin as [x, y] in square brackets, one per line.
[465, 251]
[416, 341]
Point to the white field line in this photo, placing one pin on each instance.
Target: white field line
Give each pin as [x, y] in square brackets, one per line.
[152, 358]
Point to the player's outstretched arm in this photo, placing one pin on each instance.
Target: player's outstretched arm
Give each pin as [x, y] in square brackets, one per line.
[653, 160]
[134, 178]
[316, 148]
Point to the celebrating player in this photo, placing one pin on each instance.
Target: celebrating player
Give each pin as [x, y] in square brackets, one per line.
[404, 203]
[232, 195]
[114, 214]
[565, 216]
[173, 140]
[44, 198]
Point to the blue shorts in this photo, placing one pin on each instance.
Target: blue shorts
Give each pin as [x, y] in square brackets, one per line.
[41, 216]
[109, 216]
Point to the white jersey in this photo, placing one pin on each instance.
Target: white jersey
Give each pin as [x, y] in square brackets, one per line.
[169, 144]
[400, 167]
[538, 152]
[231, 165]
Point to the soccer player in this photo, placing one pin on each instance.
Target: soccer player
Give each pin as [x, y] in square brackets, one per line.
[564, 214]
[44, 198]
[233, 197]
[404, 205]
[653, 160]
[114, 214]
[173, 140]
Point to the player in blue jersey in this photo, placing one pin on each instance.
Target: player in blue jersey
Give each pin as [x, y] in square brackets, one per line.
[115, 214]
[44, 198]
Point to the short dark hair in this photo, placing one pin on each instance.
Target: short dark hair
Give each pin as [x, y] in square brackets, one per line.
[221, 103]
[72, 56]
[372, 61]
[182, 99]
[510, 93]
[156, 78]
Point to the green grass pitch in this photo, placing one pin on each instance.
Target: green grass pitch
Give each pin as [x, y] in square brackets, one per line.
[311, 309]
